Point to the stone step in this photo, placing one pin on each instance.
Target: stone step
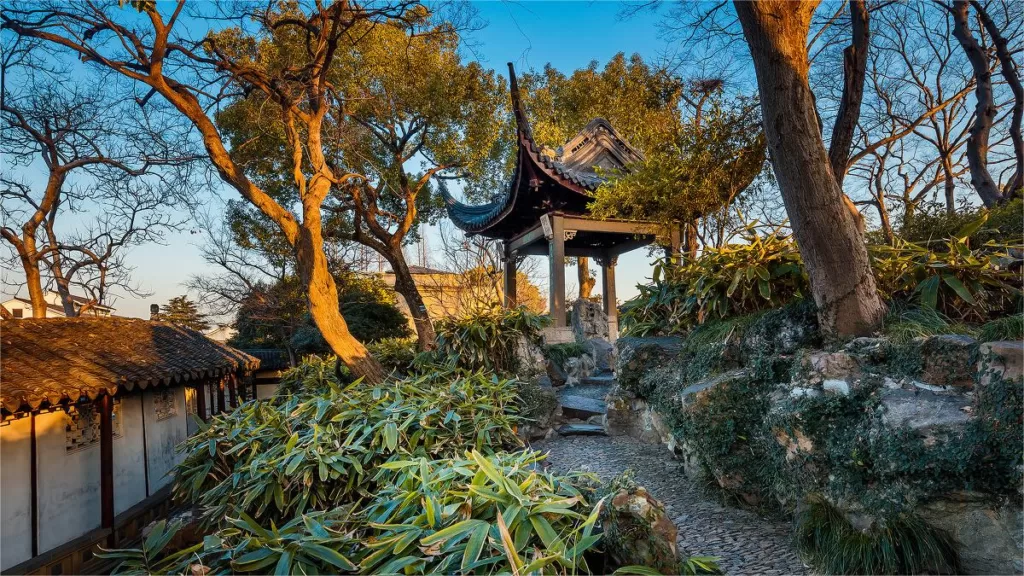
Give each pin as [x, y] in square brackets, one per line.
[603, 379]
[581, 407]
[581, 430]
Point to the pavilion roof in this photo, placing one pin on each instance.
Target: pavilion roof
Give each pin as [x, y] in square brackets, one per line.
[542, 180]
[62, 359]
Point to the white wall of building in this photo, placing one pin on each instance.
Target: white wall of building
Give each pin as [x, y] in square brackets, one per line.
[129, 473]
[68, 484]
[163, 437]
[15, 493]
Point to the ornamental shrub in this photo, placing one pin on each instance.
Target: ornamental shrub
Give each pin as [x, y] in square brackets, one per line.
[485, 340]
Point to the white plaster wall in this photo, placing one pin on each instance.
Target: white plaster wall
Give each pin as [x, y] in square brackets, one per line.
[69, 484]
[163, 437]
[129, 474]
[265, 390]
[15, 493]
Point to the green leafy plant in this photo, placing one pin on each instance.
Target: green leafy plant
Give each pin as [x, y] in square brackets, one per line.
[559, 353]
[151, 558]
[962, 283]
[903, 324]
[899, 545]
[396, 354]
[274, 460]
[1008, 328]
[485, 340]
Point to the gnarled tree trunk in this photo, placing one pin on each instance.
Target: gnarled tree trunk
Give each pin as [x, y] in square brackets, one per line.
[586, 281]
[855, 65]
[406, 286]
[830, 243]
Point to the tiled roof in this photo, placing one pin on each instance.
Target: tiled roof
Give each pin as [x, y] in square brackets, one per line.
[57, 359]
[574, 167]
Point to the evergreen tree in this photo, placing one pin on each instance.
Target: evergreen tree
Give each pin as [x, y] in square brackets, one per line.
[183, 312]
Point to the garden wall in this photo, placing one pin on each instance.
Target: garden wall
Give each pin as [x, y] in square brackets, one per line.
[884, 432]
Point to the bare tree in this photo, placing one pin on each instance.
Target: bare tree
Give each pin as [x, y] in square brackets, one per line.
[108, 182]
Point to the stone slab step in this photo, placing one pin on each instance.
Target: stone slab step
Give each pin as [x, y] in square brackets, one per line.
[581, 430]
[605, 379]
[581, 407]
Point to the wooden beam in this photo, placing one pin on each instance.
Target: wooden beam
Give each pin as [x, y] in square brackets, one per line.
[220, 397]
[201, 401]
[232, 397]
[145, 450]
[611, 226]
[510, 297]
[106, 406]
[629, 246]
[556, 260]
[531, 236]
[584, 252]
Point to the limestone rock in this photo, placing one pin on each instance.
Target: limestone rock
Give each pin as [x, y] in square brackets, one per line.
[637, 531]
[816, 368]
[948, 360]
[695, 394]
[541, 411]
[628, 415]
[990, 535]
[924, 412]
[638, 355]
[589, 320]
[578, 368]
[602, 352]
[868, 350]
[531, 359]
[782, 331]
[1004, 360]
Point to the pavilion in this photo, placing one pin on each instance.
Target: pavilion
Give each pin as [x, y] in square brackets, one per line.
[545, 211]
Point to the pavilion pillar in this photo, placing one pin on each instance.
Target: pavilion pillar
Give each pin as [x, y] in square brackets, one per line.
[556, 257]
[221, 406]
[201, 401]
[510, 296]
[672, 251]
[608, 295]
[106, 406]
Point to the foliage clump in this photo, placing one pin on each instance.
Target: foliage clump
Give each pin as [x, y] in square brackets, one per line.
[485, 340]
[902, 544]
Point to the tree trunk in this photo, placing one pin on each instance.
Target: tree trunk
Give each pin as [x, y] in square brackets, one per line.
[855, 65]
[406, 286]
[690, 241]
[949, 185]
[830, 243]
[323, 301]
[34, 283]
[586, 281]
[985, 110]
[1009, 69]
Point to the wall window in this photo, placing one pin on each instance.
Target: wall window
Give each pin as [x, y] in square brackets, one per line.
[164, 403]
[82, 425]
[18, 312]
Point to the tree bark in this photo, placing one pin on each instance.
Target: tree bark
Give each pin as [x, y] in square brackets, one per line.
[322, 293]
[406, 286]
[855, 65]
[1009, 69]
[949, 185]
[34, 283]
[586, 281]
[830, 243]
[985, 110]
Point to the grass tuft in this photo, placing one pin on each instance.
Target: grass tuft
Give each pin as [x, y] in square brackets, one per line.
[1008, 328]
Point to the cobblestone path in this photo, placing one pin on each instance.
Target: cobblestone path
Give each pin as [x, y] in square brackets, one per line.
[744, 542]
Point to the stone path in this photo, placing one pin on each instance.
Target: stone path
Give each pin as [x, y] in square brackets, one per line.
[744, 542]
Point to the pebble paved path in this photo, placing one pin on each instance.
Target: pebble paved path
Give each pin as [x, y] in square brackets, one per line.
[744, 542]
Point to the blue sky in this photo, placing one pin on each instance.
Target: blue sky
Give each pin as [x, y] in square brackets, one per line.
[530, 34]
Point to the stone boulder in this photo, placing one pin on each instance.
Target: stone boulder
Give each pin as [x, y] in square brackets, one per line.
[925, 412]
[990, 534]
[949, 360]
[628, 415]
[1003, 360]
[637, 531]
[833, 372]
[782, 331]
[588, 320]
[602, 352]
[695, 395]
[540, 411]
[530, 358]
[578, 368]
[636, 356]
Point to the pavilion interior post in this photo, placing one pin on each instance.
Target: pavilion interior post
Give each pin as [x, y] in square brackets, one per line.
[509, 277]
[608, 296]
[221, 407]
[106, 406]
[201, 401]
[556, 250]
[672, 251]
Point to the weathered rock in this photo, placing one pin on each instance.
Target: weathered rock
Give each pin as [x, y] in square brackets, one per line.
[531, 359]
[868, 350]
[948, 360]
[695, 394]
[540, 411]
[782, 331]
[637, 531]
[796, 444]
[574, 429]
[588, 320]
[638, 355]
[990, 536]
[924, 412]
[1003, 360]
[602, 352]
[578, 368]
[556, 373]
[816, 368]
[580, 406]
[628, 415]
